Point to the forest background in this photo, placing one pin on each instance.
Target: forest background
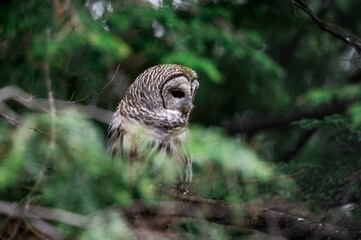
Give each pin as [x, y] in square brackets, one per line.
[276, 123]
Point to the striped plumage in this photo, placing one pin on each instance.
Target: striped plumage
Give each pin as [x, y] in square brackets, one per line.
[152, 118]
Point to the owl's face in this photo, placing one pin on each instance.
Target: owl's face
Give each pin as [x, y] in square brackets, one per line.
[162, 97]
[178, 94]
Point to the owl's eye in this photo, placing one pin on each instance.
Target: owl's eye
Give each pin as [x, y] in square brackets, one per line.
[177, 93]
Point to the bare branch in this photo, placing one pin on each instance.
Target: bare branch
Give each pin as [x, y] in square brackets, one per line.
[190, 206]
[301, 142]
[252, 125]
[39, 104]
[337, 32]
[261, 219]
[243, 216]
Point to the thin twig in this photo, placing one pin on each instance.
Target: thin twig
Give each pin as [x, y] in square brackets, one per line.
[294, 8]
[45, 168]
[101, 90]
[50, 92]
[22, 124]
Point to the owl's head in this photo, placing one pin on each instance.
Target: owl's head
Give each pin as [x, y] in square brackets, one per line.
[162, 96]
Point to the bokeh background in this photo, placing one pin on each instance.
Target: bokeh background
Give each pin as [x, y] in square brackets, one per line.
[277, 117]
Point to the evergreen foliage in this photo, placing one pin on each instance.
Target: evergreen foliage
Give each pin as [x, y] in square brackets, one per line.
[277, 120]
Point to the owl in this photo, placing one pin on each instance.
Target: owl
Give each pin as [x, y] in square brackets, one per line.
[151, 121]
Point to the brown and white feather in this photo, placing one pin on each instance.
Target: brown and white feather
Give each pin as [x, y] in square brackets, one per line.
[153, 118]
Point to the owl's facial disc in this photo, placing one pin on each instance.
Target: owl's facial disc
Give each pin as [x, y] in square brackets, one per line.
[177, 95]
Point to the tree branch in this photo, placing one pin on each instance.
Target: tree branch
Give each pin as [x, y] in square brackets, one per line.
[40, 212]
[261, 219]
[189, 206]
[337, 32]
[301, 142]
[251, 126]
[294, 42]
[39, 104]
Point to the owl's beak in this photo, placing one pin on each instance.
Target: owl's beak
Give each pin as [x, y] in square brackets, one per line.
[186, 109]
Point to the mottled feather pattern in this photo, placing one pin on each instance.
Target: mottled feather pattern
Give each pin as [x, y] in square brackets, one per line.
[149, 121]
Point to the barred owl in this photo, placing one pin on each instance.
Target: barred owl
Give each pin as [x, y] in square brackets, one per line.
[152, 119]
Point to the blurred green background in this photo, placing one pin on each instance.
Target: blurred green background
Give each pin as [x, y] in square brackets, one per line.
[277, 116]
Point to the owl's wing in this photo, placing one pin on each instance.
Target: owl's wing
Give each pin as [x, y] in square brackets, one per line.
[116, 133]
[125, 140]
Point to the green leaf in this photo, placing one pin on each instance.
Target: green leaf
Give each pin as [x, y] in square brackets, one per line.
[201, 65]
